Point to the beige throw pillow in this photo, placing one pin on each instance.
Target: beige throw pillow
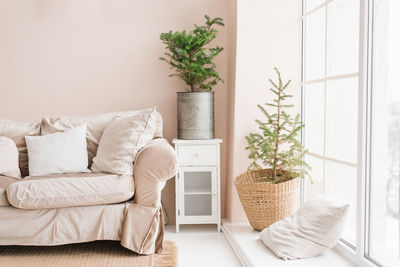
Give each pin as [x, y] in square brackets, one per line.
[9, 165]
[121, 140]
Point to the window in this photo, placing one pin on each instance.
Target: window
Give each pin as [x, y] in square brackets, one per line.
[330, 100]
[351, 111]
[384, 215]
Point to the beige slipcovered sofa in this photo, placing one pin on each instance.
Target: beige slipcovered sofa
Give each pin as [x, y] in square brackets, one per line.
[80, 207]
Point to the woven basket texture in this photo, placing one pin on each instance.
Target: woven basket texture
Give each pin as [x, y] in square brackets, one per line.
[266, 203]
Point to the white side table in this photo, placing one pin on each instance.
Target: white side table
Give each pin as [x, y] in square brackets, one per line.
[197, 184]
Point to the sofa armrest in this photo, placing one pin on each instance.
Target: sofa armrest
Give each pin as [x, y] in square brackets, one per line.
[154, 165]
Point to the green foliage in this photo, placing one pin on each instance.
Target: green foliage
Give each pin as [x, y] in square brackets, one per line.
[187, 54]
[277, 146]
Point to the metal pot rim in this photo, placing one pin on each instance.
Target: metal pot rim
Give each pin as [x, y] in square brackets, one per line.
[196, 92]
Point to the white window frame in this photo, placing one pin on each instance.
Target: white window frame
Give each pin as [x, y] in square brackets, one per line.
[323, 80]
[357, 255]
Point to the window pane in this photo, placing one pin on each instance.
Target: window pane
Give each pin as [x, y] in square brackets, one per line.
[311, 4]
[314, 117]
[341, 185]
[316, 187]
[342, 39]
[384, 223]
[341, 132]
[315, 45]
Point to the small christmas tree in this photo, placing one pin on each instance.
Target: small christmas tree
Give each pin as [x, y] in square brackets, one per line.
[278, 147]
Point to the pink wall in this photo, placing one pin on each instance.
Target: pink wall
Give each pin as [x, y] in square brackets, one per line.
[70, 57]
[268, 35]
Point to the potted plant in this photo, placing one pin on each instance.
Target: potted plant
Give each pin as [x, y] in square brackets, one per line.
[268, 190]
[193, 63]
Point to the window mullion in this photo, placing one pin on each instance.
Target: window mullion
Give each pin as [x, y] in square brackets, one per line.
[362, 146]
[331, 78]
[303, 186]
[325, 99]
[316, 8]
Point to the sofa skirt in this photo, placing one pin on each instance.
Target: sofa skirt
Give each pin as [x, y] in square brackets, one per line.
[139, 228]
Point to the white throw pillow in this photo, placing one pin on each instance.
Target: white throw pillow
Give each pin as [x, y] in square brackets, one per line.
[121, 140]
[9, 164]
[312, 229]
[62, 152]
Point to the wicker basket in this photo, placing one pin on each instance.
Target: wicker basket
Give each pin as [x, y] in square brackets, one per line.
[266, 203]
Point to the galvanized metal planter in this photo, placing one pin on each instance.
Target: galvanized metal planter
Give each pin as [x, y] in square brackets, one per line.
[195, 115]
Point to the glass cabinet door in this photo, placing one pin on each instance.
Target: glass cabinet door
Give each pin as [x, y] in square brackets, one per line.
[199, 188]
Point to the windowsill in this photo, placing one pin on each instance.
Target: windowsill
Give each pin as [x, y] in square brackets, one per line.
[252, 252]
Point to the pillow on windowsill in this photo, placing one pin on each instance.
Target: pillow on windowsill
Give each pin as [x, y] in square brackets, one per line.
[61, 152]
[309, 232]
[9, 165]
[121, 141]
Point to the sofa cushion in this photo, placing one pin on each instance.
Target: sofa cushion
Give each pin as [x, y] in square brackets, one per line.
[95, 126]
[17, 132]
[121, 141]
[4, 182]
[62, 152]
[9, 164]
[69, 190]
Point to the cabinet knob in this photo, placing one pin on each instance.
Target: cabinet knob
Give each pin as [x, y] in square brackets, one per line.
[196, 154]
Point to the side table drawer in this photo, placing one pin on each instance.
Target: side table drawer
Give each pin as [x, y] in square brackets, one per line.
[190, 155]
